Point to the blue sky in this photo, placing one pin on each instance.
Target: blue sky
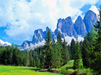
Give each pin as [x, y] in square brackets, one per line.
[19, 18]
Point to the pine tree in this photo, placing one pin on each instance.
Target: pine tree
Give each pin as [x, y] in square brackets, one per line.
[43, 58]
[30, 58]
[37, 62]
[64, 53]
[48, 58]
[10, 55]
[77, 58]
[72, 49]
[95, 55]
[4, 57]
[16, 56]
[1, 53]
[27, 58]
[59, 48]
[54, 54]
[34, 63]
[20, 58]
[88, 42]
[85, 52]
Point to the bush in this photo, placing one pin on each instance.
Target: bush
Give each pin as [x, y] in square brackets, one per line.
[63, 70]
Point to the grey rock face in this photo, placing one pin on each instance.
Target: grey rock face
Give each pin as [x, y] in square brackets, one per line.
[90, 19]
[26, 44]
[66, 27]
[80, 27]
[38, 36]
[53, 36]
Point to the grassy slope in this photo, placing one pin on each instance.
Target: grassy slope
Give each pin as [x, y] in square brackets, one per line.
[20, 70]
[69, 66]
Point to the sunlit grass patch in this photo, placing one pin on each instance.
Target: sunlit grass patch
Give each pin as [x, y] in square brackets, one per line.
[21, 70]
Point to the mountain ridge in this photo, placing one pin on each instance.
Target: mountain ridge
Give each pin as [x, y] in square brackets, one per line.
[67, 28]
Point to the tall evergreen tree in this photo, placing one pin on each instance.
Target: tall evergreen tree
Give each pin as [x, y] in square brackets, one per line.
[85, 52]
[43, 57]
[72, 49]
[48, 58]
[77, 56]
[37, 62]
[1, 53]
[5, 57]
[88, 42]
[64, 53]
[10, 55]
[20, 58]
[54, 55]
[16, 56]
[95, 55]
[27, 58]
[59, 48]
[30, 58]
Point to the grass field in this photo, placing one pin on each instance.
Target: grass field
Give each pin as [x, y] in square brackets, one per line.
[20, 70]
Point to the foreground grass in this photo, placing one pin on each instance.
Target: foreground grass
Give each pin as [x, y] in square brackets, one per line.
[21, 70]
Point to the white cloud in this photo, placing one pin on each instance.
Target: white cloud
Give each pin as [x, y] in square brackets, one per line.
[24, 17]
[68, 39]
[94, 9]
[2, 43]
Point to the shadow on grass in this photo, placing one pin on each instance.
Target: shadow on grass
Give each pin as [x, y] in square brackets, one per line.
[70, 67]
[39, 70]
[34, 69]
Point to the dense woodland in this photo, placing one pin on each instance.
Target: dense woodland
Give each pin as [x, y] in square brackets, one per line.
[56, 54]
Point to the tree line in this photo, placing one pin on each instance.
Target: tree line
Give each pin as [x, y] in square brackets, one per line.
[52, 55]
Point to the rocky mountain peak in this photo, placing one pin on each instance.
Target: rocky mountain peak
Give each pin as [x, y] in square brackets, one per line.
[59, 24]
[90, 19]
[38, 36]
[47, 28]
[68, 20]
[79, 18]
[80, 27]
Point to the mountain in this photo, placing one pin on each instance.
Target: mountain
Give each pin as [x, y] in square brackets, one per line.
[80, 27]
[37, 40]
[38, 36]
[67, 28]
[2, 43]
[90, 19]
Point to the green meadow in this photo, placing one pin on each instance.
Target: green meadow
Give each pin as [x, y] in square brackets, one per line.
[21, 70]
